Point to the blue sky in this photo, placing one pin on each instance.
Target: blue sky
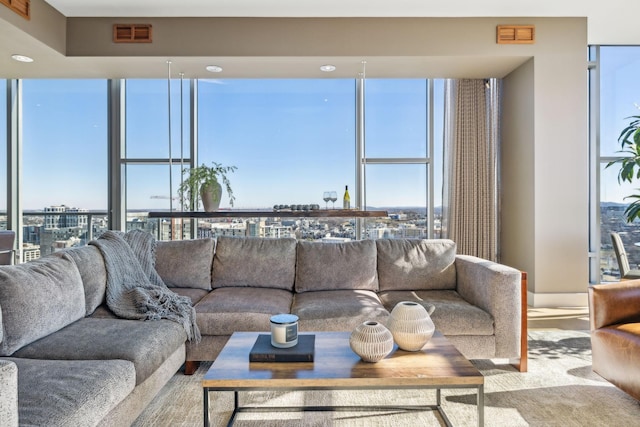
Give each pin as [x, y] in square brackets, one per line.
[291, 140]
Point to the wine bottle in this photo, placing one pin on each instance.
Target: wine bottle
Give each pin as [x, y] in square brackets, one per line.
[346, 200]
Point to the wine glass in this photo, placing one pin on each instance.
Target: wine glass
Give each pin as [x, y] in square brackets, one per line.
[333, 196]
[326, 196]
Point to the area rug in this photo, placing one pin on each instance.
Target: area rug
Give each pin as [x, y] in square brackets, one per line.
[558, 390]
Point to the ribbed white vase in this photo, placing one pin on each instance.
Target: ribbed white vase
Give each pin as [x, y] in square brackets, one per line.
[411, 325]
[372, 341]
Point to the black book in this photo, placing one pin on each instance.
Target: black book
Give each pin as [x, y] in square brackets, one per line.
[263, 351]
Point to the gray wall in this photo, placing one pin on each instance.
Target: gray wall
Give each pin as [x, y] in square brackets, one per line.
[545, 168]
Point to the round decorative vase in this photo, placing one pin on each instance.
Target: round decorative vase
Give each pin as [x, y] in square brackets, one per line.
[372, 341]
[211, 193]
[411, 325]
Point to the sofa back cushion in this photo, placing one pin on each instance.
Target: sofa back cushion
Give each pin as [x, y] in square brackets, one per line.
[185, 263]
[90, 264]
[38, 298]
[333, 266]
[416, 264]
[255, 262]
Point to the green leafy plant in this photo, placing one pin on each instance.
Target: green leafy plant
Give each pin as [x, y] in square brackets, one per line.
[629, 140]
[195, 178]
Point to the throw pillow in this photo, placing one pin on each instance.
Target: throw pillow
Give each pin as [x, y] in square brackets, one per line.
[185, 263]
[333, 266]
[416, 264]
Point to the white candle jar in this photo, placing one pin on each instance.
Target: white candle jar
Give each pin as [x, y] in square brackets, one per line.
[284, 330]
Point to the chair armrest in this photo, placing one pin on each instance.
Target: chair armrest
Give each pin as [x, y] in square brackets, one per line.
[614, 303]
[8, 393]
[495, 288]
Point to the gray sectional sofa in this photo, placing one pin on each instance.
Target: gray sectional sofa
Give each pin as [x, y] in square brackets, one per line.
[67, 360]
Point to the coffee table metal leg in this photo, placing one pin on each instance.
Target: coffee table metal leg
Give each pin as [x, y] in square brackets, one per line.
[480, 404]
[207, 421]
[439, 409]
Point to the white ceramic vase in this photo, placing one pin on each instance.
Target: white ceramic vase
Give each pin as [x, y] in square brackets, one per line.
[372, 341]
[411, 325]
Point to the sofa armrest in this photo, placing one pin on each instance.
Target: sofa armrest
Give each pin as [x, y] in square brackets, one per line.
[614, 303]
[8, 393]
[495, 288]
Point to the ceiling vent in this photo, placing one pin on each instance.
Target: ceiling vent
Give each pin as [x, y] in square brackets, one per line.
[21, 7]
[131, 33]
[516, 34]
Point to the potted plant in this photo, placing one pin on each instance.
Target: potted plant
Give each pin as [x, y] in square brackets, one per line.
[205, 183]
[629, 139]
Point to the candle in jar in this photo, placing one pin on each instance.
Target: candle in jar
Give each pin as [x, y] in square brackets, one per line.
[284, 330]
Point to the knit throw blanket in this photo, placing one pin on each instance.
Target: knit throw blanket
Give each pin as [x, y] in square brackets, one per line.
[134, 288]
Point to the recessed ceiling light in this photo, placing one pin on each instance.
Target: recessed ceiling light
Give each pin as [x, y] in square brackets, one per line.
[328, 68]
[21, 58]
[213, 69]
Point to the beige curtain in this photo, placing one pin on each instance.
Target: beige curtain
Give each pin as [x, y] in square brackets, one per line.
[470, 190]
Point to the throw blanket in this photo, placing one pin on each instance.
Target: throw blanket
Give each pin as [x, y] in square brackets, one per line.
[134, 288]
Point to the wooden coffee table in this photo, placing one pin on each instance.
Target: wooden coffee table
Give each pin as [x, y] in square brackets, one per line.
[439, 365]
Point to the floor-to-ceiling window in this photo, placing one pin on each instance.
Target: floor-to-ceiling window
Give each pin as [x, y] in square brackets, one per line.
[64, 163]
[290, 139]
[615, 96]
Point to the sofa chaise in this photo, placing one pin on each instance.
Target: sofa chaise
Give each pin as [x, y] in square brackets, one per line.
[68, 360]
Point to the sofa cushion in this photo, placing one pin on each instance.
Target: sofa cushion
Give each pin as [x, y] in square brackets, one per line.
[38, 298]
[340, 310]
[71, 392]
[333, 266]
[185, 263]
[416, 264]
[254, 262]
[194, 295]
[452, 314]
[147, 344]
[226, 310]
[90, 264]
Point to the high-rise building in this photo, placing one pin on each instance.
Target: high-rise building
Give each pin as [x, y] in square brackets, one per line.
[63, 216]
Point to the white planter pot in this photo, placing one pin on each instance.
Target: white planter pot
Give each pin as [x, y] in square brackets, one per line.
[211, 196]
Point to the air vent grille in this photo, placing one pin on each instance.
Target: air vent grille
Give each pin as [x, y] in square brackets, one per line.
[132, 33]
[21, 7]
[516, 34]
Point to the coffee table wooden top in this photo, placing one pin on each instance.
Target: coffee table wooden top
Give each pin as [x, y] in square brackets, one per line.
[335, 365]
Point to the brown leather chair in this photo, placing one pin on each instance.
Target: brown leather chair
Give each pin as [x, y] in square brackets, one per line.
[7, 240]
[614, 316]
